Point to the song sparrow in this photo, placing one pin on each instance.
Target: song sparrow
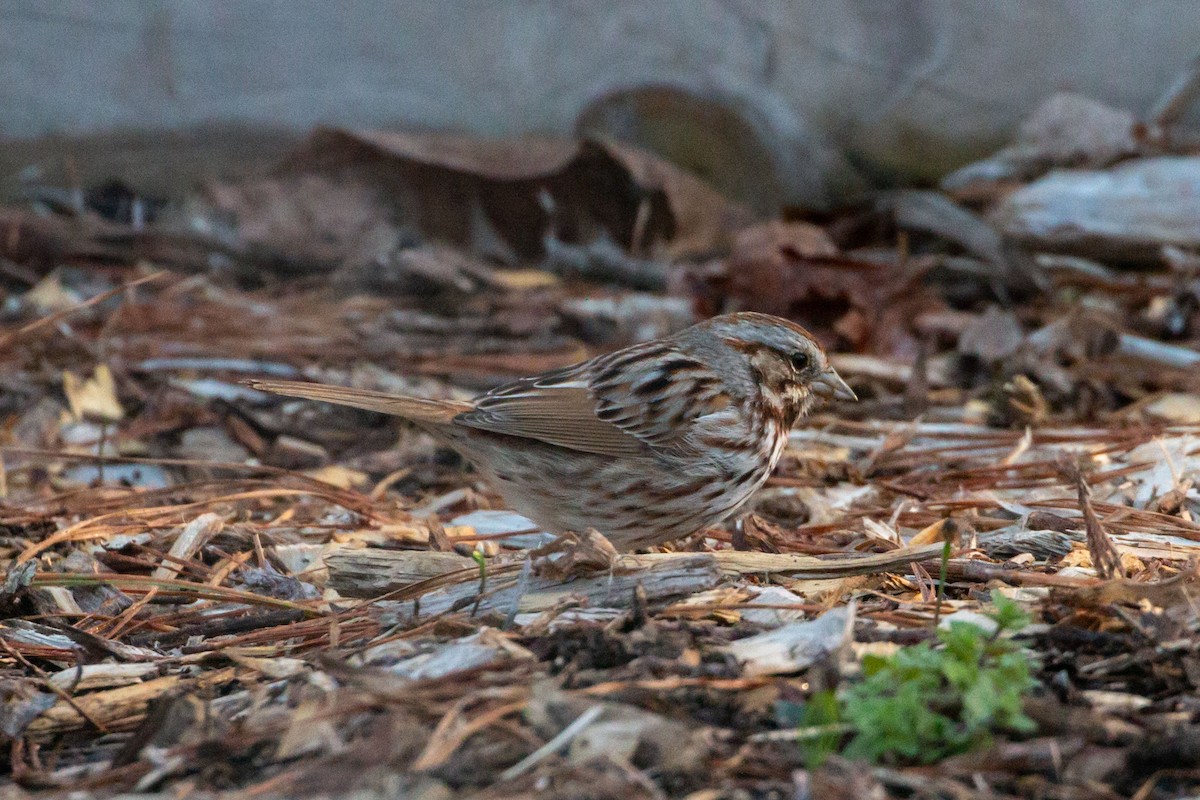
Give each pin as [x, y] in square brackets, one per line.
[645, 444]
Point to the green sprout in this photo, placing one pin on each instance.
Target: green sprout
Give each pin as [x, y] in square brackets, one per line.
[926, 702]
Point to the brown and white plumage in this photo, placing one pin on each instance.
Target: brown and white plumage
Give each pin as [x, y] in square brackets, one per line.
[645, 444]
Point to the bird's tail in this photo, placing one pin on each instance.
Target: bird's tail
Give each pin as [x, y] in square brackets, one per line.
[417, 409]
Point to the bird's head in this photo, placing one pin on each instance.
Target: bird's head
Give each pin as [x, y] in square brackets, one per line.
[789, 366]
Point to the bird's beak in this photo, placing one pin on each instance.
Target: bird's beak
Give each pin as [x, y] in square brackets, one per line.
[831, 385]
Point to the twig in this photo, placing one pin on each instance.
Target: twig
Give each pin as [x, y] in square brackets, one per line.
[549, 748]
[1174, 101]
[174, 588]
[522, 588]
[52, 686]
[50, 319]
[1168, 355]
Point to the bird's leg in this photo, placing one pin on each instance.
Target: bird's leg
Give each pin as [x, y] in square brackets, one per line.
[738, 539]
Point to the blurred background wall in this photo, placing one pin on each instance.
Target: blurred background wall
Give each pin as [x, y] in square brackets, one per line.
[773, 100]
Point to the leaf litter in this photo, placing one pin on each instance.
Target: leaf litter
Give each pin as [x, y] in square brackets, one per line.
[211, 592]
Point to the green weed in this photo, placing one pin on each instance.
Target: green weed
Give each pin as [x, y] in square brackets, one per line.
[926, 702]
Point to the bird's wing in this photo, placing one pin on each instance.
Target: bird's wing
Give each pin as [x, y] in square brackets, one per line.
[557, 408]
[630, 403]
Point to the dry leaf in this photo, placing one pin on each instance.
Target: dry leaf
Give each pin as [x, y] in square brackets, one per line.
[500, 198]
[49, 295]
[794, 270]
[940, 531]
[94, 398]
[339, 476]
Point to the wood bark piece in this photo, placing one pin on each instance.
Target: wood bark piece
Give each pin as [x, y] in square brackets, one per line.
[1130, 211]
[933, 212]
[191, 538]
[372, 572]
[794, 646]
[1014, 540]
[101, 676]
[485, 648]
[125, 704]
[842, 565]
[672, 577]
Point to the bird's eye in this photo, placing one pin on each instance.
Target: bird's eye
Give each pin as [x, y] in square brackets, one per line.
[801, 361]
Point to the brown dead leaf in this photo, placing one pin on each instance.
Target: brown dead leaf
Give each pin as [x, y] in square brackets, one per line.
[501, 198]
[574, 554]
[44, 241]
[1173, 591]
[794, 270]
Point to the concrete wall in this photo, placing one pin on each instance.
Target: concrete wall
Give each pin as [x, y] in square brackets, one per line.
[913, 86]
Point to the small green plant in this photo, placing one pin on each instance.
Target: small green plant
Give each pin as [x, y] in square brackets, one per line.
[819, 727]
[481, 560]
[924, 703]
